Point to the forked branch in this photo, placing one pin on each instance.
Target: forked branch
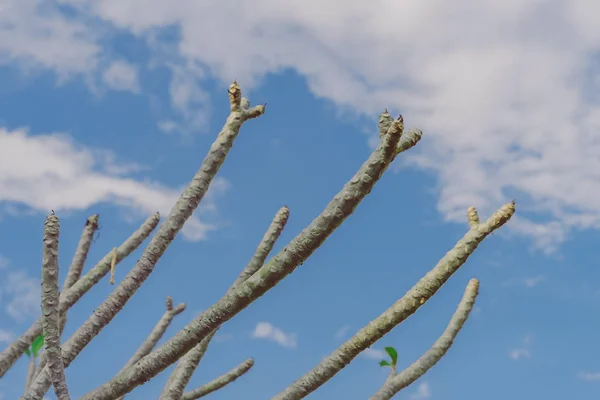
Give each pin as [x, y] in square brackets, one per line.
[181, 375]
[284, 263]
[69, 297]
[181, 212]
[398, 381]
[418, 295]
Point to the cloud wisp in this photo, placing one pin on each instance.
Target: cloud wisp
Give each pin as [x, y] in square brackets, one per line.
[51, 171]
[267, 331]
[507, 92]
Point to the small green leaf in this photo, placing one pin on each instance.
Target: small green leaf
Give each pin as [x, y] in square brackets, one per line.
[393, 354]
[37, 344]
[28, 353]
[384, 363]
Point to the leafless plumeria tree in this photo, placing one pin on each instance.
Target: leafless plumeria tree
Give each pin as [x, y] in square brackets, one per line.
[188, 346]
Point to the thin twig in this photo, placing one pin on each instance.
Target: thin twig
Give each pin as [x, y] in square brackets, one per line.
[156, 333]
[219, 382]
[113, 264]
[81, 253]
[30, 372]
[183, 371]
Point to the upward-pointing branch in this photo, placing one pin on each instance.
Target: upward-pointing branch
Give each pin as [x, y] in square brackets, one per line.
[180, 213]
[83, 247]
[418, 295]
[284, 263]
[73, 294]
[219, 382]
[50, 301]
[91, 224]
[399, 381]
[156, 333]
[181, 375]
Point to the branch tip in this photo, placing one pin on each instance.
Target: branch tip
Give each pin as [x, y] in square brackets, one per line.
[179, 308]
[473, 285]
[235, 96]
[385, 121]
[502, 216]
[409, 140]
[113, 264]
[169, 303]
[473, 217]
[92, 220]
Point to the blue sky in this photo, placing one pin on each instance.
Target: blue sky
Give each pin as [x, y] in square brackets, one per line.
[110, 106]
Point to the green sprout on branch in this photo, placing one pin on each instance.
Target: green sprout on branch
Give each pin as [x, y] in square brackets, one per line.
[393, 355]
[36, 346]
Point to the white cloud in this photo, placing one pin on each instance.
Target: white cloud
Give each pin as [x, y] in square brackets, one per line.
[524, 351]
[6, 336]
[517, 354]
[529, 282]
[533, 281]
[265, 330]
[121, 75]
[167, 126]
[506, 92]
[589, 376]
[423, 392]
[20, 294]
[374, 354]
[51, 171]
[342, 332]
[36, 35]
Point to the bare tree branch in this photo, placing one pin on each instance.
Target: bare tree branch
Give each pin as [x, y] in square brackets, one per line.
[181, 375]
[16, 349]
[50, 302]
[219, 382]
[74, 273]
[69, 297]
[284, 263]
[81, 253]
[180, 213]
[418, 295]
[30, 372]
[157, 332]
[397, 382]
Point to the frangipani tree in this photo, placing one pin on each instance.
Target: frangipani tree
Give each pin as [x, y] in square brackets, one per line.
[188, 346]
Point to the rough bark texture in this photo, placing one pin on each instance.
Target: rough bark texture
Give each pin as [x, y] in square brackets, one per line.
[397, 382]
[190, 344]
[185, 368]
[402, 309]
[50, 301]
[70, 296]
[81, 253]
[157, 332]
[284, 263]
[180, 213]
[219, 382]
[17, 348]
